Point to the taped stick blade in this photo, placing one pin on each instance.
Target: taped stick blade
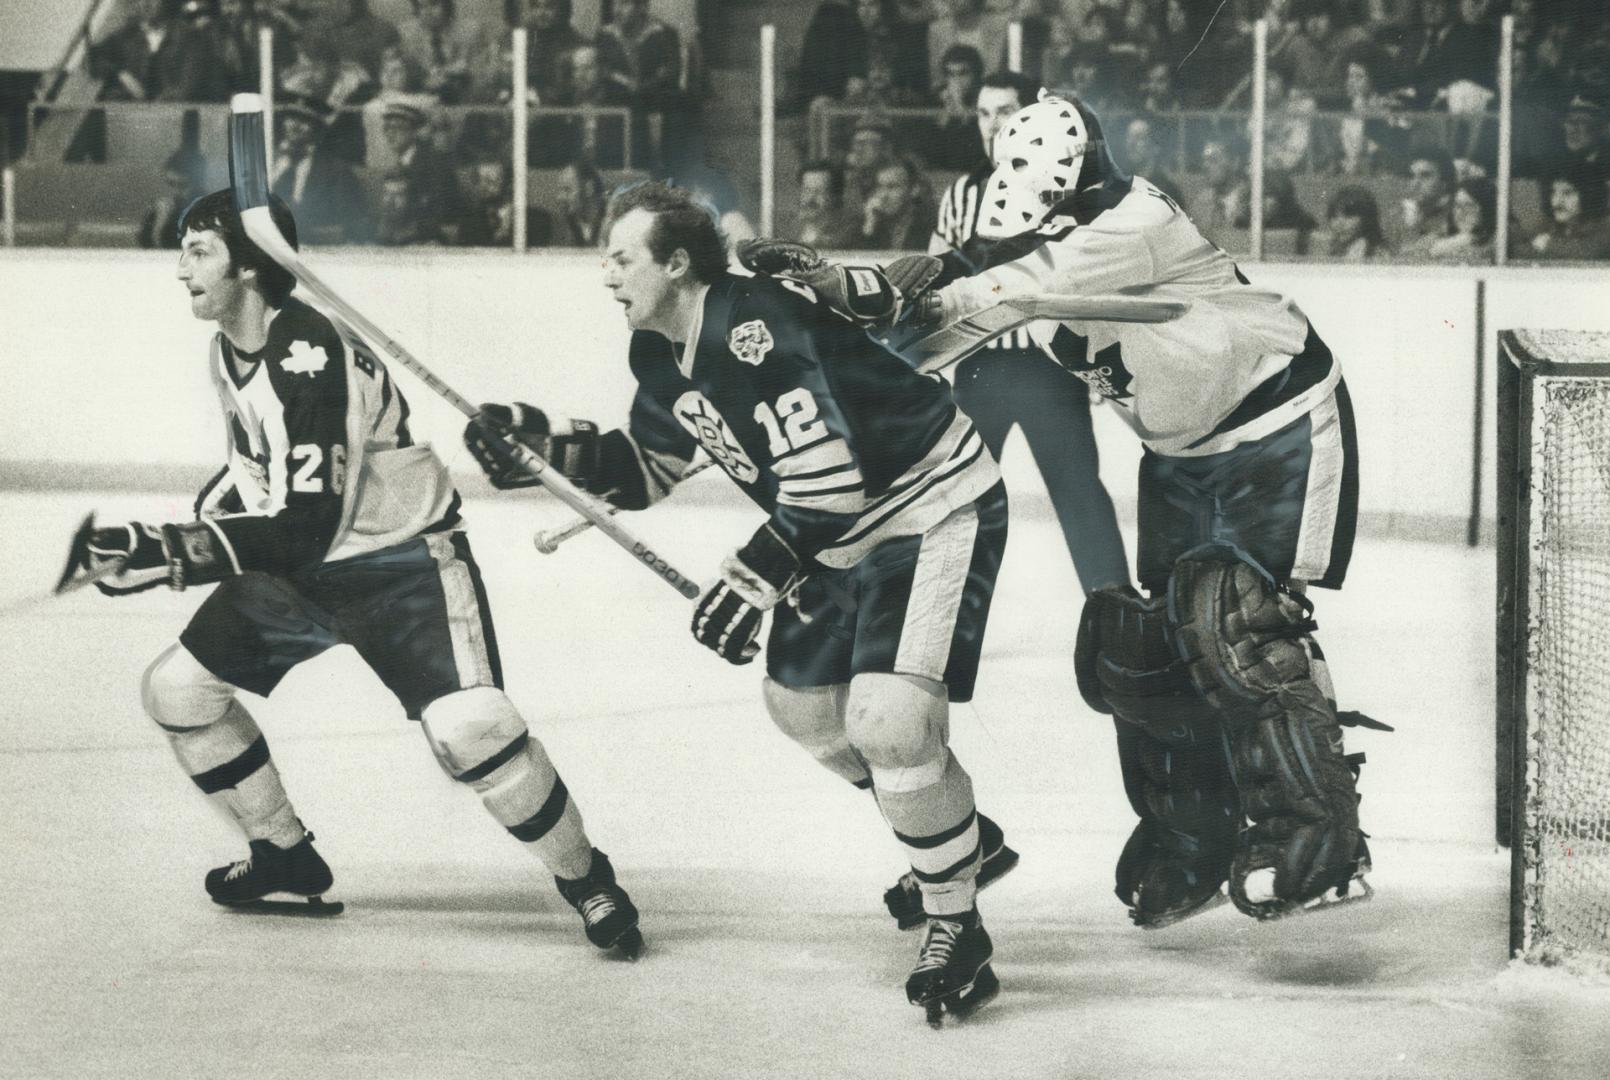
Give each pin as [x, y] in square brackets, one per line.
[248, 152]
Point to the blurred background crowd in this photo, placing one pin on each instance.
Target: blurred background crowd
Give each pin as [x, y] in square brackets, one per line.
[393, 126]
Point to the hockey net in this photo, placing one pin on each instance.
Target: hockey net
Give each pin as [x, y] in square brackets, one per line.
[1554, 639]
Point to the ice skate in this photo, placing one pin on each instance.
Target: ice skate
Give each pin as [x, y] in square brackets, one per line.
[904, 897]
[275, 881]
[953, 975]
[1168, 880]
[606, 911]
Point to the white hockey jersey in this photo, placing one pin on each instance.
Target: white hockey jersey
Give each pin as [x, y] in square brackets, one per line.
[1243, 362]
[321, 465]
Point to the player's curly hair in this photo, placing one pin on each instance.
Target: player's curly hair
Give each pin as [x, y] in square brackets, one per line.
[216, 212]
[681, 220]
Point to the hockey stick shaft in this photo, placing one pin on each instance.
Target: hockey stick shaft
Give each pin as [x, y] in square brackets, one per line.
[966, 336]
[547, 541]
[248, 172]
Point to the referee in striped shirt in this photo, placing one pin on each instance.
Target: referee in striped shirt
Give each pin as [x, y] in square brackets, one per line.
[1011, 381]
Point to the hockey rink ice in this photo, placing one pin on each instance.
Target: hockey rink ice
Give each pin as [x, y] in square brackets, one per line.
[759, 875]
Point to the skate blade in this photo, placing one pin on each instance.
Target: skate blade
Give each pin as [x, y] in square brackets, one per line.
[628, 947]
[962, 1004]
[1355, 891]
[1170, 918]
[1003, 862]
[286, 904]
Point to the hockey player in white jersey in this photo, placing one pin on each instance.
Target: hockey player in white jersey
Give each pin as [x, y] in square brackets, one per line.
[1248, 494]
[328, 525]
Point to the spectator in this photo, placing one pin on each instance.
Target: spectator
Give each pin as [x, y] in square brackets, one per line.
[1472, 57]
[431, 191]
[1316, 51]
[156, 56]
[954, 145]
[642, 57]
[550, 39]
[353, 33]
[1371, 138]
[822, 221]
[900, 45]
[239, 24]
[899, 214]
[826, 63]
[396, 224]
[1282, 211]
[1473, 221]
[1427, 63]
[1583, 133]
[486, 210]
[1156, 93]
[1288, 122]
[1425, 211]
[871, 148]
[601, 138]
[1576, 198]
[317, 184]
[182, 185]
[400, 79]
[966, 22]
[1143, 156]
[1095, 73]
[446, 47]
[1354, 220]
[581, 203]
[1225, 197]
[340, 86]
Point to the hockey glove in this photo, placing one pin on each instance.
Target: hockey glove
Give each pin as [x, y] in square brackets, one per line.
[869, 296]
[571, 446]
[753, 579]
[137, 546]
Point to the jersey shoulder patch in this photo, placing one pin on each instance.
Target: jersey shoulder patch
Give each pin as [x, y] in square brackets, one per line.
[751, 341]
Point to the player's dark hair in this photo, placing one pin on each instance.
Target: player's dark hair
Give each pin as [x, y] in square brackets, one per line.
[835, 175]
[1026, 89]
[963, 54]
[680, 221]
[216, 213]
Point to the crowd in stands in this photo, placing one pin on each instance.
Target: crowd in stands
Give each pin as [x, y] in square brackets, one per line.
[1363, 98]
[370, 112]
[1380, 136]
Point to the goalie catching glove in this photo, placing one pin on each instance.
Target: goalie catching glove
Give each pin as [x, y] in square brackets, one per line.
[570, 446]
[753, 579]
[877, 298]
[149, 555]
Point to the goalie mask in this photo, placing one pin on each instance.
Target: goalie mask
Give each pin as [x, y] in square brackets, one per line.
[1047, 155]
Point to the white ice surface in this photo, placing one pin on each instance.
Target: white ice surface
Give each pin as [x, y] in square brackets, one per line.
[758, 874]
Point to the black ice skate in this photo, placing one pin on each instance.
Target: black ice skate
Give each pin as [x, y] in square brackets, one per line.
[1166, 878]
[953, 976]
[275, 881]
[606, 911]
[904, 897]
[1258, 890]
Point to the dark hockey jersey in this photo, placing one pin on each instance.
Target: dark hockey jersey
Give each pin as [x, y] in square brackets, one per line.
[841, 442]
[320, 462]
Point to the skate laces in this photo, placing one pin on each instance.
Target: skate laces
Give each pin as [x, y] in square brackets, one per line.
[938, 946]
[597, 907]
[239, 869]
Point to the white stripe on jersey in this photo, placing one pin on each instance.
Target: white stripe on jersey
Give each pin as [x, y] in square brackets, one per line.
[957, 470]
[1323, 495]
[821, 477]
[937, 583]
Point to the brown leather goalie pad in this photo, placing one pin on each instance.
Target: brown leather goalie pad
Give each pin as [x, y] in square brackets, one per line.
[1243, 638]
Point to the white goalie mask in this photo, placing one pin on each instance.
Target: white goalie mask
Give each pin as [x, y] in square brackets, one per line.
[1039, 156]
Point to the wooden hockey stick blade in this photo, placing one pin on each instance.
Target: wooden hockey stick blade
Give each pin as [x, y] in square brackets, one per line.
[248, 175]
[961, 339]
[77, 553]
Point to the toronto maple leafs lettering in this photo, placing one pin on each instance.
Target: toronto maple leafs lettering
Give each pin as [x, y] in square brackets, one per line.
[306, 416]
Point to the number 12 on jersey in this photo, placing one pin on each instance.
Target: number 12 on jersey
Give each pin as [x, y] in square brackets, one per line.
[792, 424]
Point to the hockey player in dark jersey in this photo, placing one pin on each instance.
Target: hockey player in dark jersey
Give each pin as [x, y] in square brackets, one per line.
[1248, 494]
[328, 525]
[885, 527]
[1012, 382]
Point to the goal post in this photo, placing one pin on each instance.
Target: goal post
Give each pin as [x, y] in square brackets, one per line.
[1553, 643]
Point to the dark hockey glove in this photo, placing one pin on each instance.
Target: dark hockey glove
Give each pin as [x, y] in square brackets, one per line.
[138, 547]
[571, 447]
[870, 296]
[753, 579]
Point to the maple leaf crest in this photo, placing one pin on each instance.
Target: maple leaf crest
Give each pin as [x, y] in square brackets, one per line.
[305, 359]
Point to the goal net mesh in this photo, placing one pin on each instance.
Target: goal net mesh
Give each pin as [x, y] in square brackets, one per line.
[1565, 843]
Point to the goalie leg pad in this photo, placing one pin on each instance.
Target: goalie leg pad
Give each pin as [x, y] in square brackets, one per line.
[1172, 753]
[480, 739]
[813, 716]
[1244, 639]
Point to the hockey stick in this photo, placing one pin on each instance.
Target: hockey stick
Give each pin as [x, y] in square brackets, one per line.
[248, 177]
[547, 541]
[76, 554]
[961, 339]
